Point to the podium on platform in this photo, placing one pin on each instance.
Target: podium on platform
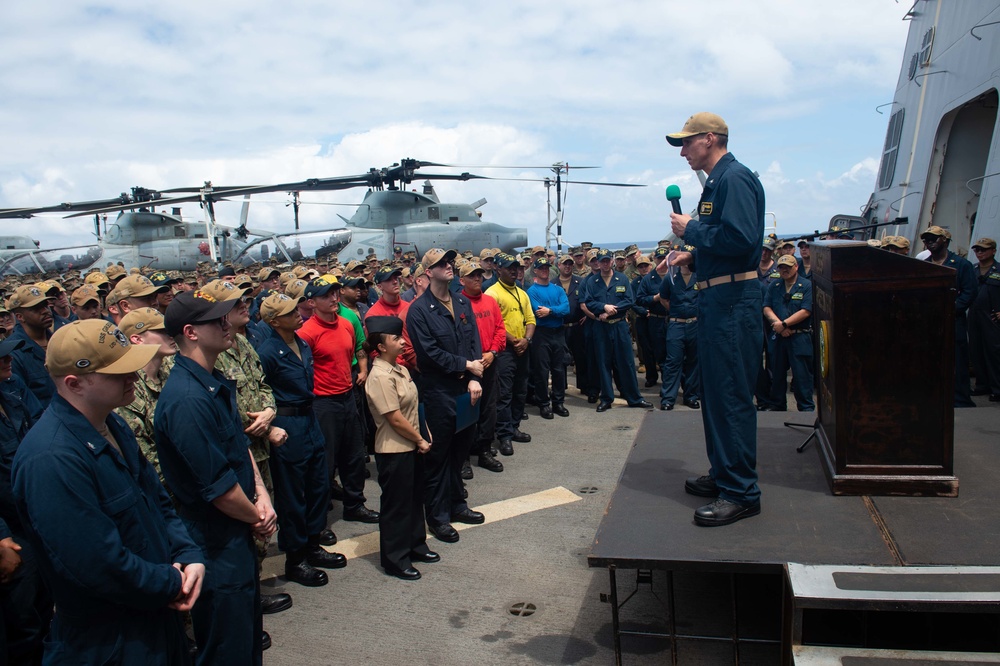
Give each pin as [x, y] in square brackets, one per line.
[884, 340]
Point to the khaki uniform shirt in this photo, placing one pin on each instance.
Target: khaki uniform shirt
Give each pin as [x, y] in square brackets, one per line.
[241, 364]
[389, 387]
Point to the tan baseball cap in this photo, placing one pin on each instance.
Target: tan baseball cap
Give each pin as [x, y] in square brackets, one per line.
[487, 253]
[896, 241]
[85, 294]
[277, 305]
[985, 244]
[137, 285]
[48, 286]
[352, 265]
[286, 278]
[702, 122]
[296, 289]
[268, 273]
[114, 271]
[141, 320]
[26, 296]
[436, 255]
[221, 290]
[94, 345]
[936, 231]
[468, 268]
[97, 279]
[303, 273]
[787, 260]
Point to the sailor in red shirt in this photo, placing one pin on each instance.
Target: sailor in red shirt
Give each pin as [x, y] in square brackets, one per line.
[390, 304]
[493, 339]
[331, 339]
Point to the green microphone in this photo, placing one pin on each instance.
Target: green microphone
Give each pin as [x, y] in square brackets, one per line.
[674, 197]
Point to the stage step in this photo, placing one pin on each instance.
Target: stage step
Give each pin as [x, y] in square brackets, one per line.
[810, 655]
[857, 590]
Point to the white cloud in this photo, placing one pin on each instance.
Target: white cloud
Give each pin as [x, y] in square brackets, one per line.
[100, 98]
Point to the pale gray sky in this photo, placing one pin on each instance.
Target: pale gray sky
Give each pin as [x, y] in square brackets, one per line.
[96, 98]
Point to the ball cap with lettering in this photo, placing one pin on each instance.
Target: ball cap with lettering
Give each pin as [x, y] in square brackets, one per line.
[321, 286]
[386, 273]
[702, 122]
[94, 345]
[504, 260]
[468, 268]
[97, 279]
[141, 320]
[268, 273]
[277, 305]
[194, 307]
[436, 255]
[985, 244]
[26, 296]
[137, 285]
[541, 262]
[83, 295]
[603, 254]
[787, 260]
[221, 290]
[936, 231]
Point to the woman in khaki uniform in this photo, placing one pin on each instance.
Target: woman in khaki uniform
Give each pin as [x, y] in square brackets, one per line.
[399, 446]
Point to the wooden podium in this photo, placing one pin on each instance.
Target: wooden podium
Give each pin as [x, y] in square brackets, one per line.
[884, 339]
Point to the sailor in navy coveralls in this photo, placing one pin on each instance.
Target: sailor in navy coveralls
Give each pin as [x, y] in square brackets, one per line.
[728, 235]
[118, 560]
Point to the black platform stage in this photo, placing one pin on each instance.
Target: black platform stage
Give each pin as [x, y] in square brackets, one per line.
[648, 524]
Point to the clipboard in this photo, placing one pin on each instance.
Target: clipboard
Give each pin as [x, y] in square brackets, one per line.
[466, 414]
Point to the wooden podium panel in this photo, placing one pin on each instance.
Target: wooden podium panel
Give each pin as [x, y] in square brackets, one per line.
[884, 339]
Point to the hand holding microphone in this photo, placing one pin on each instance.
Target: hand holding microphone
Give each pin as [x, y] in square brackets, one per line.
[678, 221]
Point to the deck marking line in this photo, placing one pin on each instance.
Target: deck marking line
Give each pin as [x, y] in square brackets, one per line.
[367, 544]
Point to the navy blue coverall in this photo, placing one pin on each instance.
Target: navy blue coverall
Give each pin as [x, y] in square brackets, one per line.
[203, 454]
[794, 351]
[728, 236]
[656, 324]
[298, 467]
[612, 340]
[107, 537]
[966, 286]
[680, 367]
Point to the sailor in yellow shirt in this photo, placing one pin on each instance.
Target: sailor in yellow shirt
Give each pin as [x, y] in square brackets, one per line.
[512, 362]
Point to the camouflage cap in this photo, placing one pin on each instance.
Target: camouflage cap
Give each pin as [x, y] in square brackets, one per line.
[566, 259]
[631, 249]
[352, 265]
[141, 320]
[641, 259]
[94, 345]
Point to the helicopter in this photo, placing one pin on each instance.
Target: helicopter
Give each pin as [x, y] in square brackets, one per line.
[388, 217]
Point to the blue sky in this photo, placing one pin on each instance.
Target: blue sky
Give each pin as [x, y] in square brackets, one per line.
[97, 98]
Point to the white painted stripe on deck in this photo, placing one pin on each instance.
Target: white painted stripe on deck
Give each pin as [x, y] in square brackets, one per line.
[367, 544]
